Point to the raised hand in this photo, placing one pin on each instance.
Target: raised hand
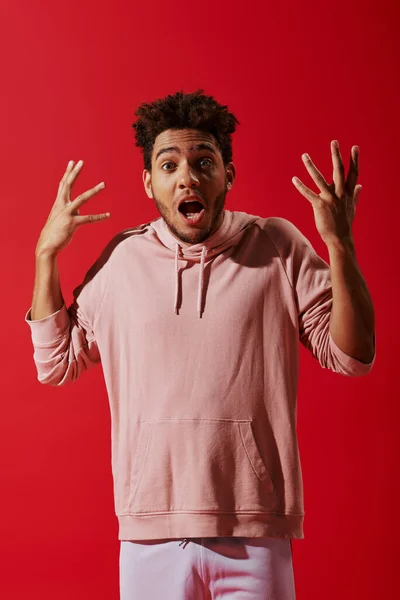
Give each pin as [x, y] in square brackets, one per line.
[334, 208]
[64, 217]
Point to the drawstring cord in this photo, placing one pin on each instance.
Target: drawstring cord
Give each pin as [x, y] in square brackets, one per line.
[177, 249]
[185, 541]
[201, 279]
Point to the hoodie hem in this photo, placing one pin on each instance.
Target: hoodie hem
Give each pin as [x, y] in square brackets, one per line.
[180, 525]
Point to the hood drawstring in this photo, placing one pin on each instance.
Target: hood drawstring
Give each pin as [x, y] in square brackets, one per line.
[201, 279]
[185, 542]
[177, 249]
[234, 225]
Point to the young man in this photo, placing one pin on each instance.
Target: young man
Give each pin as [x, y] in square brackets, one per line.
[196, 318]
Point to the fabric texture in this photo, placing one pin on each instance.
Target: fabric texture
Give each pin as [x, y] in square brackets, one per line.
[199, 347]
[207, 569]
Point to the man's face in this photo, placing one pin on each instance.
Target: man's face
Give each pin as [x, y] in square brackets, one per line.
[187, 162]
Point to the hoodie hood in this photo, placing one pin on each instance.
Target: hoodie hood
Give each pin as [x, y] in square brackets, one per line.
[230, 231]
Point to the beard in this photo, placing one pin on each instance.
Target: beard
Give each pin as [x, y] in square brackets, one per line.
[196, 236]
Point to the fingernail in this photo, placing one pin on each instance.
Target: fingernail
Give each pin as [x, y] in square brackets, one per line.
[305, 157]
[102, 184]
[71, 162]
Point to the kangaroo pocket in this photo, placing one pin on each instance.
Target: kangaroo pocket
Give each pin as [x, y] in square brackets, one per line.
[199, 465]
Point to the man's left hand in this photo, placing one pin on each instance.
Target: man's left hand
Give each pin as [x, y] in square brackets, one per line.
[335, 207]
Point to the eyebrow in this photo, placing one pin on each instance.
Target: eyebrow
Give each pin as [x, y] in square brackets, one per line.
[196, 148]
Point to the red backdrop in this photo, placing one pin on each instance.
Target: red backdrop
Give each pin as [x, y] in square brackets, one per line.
[297, 75]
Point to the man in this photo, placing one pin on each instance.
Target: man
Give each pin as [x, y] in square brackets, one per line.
[196, 318]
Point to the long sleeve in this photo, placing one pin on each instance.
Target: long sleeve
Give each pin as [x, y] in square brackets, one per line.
[64, 343]
[310, 279]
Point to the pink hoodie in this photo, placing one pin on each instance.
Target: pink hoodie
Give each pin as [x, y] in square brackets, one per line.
[200, 353]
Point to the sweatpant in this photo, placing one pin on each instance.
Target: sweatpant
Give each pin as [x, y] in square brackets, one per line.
[230, 568]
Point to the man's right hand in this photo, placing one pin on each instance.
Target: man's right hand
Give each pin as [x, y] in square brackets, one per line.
[64, 217]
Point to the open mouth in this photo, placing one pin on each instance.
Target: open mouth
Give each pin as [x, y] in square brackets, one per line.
[192, 212]
[191, 209]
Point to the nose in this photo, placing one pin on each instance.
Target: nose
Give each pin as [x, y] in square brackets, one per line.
[187, 177]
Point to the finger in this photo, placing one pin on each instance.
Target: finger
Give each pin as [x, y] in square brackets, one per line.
[83, 198]
[338, 168]
[357, 191]
[353, 170]
[64, 177]
[82, 220]
[316, 175]
[70, 180]
[307, 193]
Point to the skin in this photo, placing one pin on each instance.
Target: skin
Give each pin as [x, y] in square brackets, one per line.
[184, 171]
[352, 320]
[334, 208]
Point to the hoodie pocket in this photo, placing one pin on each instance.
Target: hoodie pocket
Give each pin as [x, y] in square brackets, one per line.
[199, 465]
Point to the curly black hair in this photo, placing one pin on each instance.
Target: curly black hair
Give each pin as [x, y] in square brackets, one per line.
[182, 110]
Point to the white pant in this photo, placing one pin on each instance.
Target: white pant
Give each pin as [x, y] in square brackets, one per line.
[226, 568]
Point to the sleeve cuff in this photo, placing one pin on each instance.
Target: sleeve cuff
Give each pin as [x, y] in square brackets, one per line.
[50, 328]
[352, 366]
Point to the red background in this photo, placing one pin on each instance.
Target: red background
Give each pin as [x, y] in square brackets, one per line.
[297, 75]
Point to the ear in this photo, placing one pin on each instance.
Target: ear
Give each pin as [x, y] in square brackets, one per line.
[146, 176]
[230, 175]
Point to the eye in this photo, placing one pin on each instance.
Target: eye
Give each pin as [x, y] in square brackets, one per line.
[165, 164]
[207, 160]
[204, 162]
